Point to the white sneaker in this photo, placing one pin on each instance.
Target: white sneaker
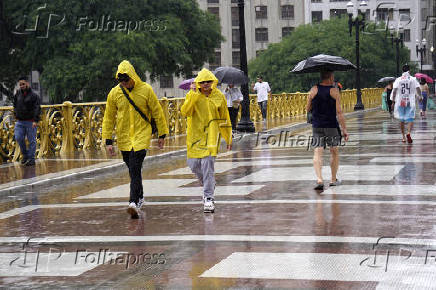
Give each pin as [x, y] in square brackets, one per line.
[132, 210]
[140, 203]
[208, 205]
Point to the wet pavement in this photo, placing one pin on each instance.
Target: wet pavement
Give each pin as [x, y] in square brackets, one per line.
[270, 228]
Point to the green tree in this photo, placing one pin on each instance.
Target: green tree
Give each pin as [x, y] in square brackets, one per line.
[80, 50]
[377, 56]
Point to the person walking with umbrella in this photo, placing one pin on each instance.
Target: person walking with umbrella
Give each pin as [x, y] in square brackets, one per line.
[207, 118]
[263, 92]
[403, 101]
[324, 101]
[233, 98]
[388, 91]
[425, 92]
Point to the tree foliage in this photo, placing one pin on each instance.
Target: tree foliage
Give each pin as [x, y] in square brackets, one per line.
[86, 40]
[377, 56]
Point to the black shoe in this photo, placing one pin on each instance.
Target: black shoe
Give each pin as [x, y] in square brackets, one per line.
[23, 161]
[319, 186]
[30, 162]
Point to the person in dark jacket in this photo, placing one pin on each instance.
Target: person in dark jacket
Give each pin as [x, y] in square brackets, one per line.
[325, 103]
[27, 110]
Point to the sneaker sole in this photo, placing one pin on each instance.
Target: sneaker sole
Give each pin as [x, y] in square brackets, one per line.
[208, 210]
[133, 213]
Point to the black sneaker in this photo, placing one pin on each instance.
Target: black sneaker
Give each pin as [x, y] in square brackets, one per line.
[30, 162]
[319, 186]
[23, 161]
[133, 210]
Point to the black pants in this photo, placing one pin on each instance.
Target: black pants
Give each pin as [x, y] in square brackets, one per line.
[233, 112]
[389, 102]
[133, 160]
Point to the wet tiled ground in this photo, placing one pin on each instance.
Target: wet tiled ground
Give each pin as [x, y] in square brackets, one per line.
[270, 229]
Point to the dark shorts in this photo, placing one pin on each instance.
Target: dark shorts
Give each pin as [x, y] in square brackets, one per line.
[322, 137]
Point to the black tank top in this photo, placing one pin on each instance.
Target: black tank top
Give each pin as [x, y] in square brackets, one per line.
[324, 109]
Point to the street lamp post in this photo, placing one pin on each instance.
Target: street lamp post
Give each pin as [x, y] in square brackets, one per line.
[245, 124]
[357, 22]
[420, 50]
[433, 57]
[397, 37]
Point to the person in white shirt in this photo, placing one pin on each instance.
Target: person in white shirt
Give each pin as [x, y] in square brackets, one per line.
[234, 98]
[263, 91]
[403, 101]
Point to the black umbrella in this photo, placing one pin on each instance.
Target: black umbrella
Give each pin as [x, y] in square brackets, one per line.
[322, 62]
[386, 80]
[230, 75]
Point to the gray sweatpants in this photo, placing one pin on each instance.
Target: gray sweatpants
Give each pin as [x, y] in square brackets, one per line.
[204, 169]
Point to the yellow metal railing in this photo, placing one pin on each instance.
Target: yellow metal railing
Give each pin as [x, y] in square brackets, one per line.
[66, 128]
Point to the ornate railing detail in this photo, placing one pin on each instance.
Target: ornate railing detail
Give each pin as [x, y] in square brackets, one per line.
[66, 128]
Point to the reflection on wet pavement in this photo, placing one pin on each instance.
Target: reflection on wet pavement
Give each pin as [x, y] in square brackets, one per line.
[270, 228]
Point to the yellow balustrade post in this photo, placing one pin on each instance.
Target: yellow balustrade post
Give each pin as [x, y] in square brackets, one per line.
[67, 128]
[44, 131]
[164, 105]
[89, 142]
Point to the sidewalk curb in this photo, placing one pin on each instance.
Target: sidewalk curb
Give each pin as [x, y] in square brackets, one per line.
[78, 173]
[111, 166]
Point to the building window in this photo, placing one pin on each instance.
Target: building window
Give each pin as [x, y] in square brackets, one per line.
[235, 38]
[259, 52]
[287, 30]
[215, 11]
[235, 16]
[261, 12]
[235, 1]
[35, 86]
[338, 13]
[287, 11]
[236, 59]
[166, 82]
[213, 1]
[261, 34]
[316, 16]
[406, 35]
[216, 62]
[316, 1]
[383, 14]
[406, 13]
[339, 0]
[367, 15]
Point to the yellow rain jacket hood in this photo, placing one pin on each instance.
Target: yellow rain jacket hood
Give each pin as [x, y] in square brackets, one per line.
[208, 118]
[132, 131]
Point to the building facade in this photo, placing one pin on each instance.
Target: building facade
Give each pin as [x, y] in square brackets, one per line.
[413, 15]
[266, 21]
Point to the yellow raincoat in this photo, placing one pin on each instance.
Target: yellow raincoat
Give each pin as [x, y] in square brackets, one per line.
[208, 118]
[131, 129]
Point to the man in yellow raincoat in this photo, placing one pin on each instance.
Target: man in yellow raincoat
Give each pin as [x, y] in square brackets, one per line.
[208, 119]
[132, 130]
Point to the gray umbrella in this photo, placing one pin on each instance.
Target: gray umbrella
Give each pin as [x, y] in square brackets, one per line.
[386, 80]
[322, 62]
[230, 75]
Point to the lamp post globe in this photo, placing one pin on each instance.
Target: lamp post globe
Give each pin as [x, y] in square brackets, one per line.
[350, 8]
[362, 6]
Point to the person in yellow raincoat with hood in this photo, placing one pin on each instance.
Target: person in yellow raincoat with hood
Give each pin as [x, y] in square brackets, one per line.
[132, 130]
[208, 118]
